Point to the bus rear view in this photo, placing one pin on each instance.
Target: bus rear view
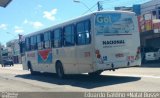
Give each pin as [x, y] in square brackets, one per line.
[117, 41]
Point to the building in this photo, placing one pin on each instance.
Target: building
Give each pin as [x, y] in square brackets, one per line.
[135, 8]
[13, 50]
[1, 49]
[123, 8]
[3, 3]
[3, 53]
[151, 7]
[149, 21]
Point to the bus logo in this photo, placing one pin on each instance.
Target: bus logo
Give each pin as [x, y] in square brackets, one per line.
[107, 19]
[45, 56]
[101, 19]
[113, 42]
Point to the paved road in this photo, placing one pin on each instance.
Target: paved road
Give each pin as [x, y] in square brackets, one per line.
[145, 78]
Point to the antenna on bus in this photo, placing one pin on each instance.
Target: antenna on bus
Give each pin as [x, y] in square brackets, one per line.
[99, 5]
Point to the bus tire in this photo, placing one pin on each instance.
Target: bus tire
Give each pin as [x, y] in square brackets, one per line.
[59, 70]
[96, 73]
[31, 69]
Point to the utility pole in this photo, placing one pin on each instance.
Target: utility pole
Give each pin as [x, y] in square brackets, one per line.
[99, 5]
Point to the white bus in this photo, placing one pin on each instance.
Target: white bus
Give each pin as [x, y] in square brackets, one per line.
[105, 40]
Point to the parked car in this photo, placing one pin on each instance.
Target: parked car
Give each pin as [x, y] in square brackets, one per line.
[7, 62]
[151, 56]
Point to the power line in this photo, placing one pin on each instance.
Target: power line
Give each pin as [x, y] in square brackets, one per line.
[98, 3]
[13, 35]
[90, 8]
[77, 1]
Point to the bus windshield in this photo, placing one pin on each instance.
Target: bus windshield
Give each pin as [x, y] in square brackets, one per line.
[114, 23]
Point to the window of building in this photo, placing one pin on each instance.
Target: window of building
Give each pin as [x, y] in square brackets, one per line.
[158, 12]
[153, 12]
[83, 33]
[69, 35]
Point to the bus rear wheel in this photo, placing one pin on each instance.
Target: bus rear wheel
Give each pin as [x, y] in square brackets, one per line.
[59, 70]
[31, 69]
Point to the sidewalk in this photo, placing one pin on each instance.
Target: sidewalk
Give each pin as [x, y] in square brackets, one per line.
[16, 67]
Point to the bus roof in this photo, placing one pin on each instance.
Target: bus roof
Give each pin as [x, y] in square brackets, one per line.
[72, 20]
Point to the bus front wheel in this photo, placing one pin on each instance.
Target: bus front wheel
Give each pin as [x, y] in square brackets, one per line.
[59, 70]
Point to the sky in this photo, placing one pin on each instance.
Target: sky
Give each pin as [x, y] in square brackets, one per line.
[27, 16]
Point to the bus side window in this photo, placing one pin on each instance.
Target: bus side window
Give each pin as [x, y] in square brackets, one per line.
[47, 43]
[52, 38]
[69, 35]
[33, 43]
[83, 33]
[40, 42]
[22, 47]
[27, 41]
[57, 38]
